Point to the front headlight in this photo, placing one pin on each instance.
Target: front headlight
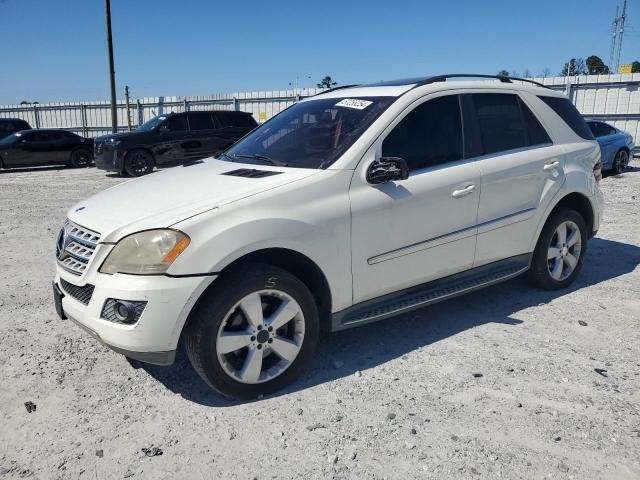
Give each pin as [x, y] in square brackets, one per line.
[145, 253]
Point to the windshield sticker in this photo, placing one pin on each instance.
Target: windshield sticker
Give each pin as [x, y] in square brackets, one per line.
[354, 103]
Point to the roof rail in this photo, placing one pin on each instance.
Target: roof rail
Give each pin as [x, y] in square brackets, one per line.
[339, 87]
[503, 79]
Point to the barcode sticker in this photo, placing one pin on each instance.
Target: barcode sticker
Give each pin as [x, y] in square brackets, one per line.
[354, 103]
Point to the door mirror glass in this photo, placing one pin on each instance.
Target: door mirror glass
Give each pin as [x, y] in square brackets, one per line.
[387, 169]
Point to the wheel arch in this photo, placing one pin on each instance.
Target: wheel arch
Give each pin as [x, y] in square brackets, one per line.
[576, 201]
[296, 263]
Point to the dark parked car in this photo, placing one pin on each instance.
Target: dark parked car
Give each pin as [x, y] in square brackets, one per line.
[29, 148]
[12, 125]
[171, 139]
[616, 146]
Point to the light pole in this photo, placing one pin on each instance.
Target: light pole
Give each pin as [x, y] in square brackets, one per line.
[112, 73]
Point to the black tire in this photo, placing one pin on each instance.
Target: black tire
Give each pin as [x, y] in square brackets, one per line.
[138, 162]
[539, 274]
[206, 322]
[80, 158]
[621, 161]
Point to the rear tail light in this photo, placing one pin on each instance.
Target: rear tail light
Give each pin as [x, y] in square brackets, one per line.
[597, 171]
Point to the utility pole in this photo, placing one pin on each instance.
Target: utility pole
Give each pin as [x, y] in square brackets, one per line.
[621, 33]
[126, 97]
[112, 73]
[614, 39]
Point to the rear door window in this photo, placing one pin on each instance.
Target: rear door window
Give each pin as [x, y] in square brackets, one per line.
[228, 119]
[565, 110]
[500, 121]
[201, 121]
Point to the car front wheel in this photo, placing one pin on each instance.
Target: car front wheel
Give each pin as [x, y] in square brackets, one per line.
[253, 332]
[138, 163]
[560, 251]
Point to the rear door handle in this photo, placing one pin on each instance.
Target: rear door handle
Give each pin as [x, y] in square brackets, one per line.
[463, 192]
[551, 166]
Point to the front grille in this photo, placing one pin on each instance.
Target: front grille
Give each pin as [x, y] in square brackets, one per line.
[77, 246]
[82, 294]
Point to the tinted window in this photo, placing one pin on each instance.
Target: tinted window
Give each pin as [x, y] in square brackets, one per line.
[536, 134]
[565, 109]
[177, 123]
[500, 121]
[236, 119]
[600, 129]
[13, 125]
[201, 121]
[313, 133]
[430, 135]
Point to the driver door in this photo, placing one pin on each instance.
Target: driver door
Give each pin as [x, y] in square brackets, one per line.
[412, 231]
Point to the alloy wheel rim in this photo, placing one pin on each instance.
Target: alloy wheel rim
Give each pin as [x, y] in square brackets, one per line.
[139, 163]
[260, 336]
[623, 159]
[564, 251]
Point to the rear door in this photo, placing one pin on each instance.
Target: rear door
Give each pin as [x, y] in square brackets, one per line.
[205, 136]
[235, 126]
[521, 172]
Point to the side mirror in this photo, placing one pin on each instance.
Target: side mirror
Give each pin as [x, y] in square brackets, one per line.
[387, 169]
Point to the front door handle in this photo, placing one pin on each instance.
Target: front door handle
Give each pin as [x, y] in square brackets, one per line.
[463, 192]
[551, 166]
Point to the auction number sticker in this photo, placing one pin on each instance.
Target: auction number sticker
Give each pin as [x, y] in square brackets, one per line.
[354, 103]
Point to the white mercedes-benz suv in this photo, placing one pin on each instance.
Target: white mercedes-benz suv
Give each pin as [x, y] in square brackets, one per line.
[346, 208]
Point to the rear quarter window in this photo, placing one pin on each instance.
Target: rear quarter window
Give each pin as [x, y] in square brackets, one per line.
[236, 120]
[565, 110]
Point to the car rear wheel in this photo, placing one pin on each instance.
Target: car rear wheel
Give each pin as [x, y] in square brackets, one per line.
[620, 162]
[80, 158]
[253, 332]
[138, 163]
[560, 251]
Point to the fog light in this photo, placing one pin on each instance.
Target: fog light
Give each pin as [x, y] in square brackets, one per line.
[122, 311]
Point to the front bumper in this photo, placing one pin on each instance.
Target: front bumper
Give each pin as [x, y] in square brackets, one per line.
[154, 337]
[108, 158]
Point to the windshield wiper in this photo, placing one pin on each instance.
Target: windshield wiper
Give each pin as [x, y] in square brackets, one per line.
[226, 155]
[263, 158]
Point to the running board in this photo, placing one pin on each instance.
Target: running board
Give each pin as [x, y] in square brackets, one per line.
[430, 293]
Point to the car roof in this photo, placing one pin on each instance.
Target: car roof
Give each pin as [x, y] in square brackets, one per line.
[395, 88]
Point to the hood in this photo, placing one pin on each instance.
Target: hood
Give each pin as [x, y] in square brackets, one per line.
[116, 136]
[167, 197]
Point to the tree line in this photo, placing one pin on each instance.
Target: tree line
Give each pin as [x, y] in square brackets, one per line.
[593, 65]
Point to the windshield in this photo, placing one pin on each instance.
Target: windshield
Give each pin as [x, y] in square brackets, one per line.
[311, 134]
[151, 124]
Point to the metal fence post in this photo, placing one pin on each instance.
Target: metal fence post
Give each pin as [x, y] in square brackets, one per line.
[139, 112]
[236, 104]
[186, 105]
[83, 117]
[36, 116]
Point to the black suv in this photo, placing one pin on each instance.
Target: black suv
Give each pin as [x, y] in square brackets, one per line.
[12, 125]
[171, 139]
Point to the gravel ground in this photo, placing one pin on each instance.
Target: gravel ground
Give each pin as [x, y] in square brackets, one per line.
[500, 383]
